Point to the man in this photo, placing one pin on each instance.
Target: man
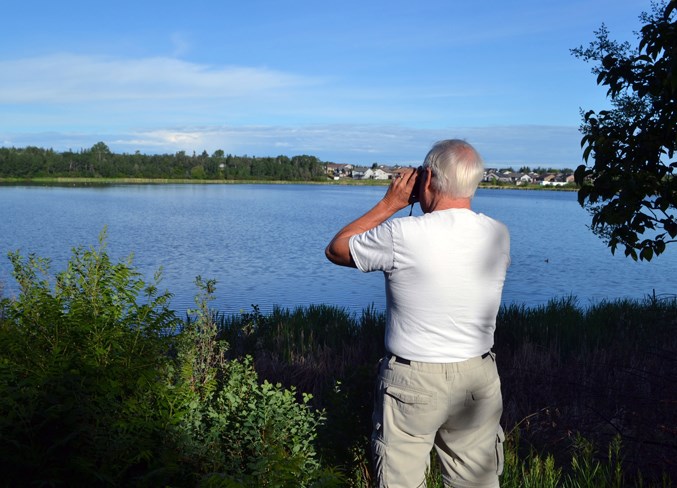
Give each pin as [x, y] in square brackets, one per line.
[438, 385]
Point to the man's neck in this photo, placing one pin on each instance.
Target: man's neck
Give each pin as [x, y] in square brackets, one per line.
[446, 203]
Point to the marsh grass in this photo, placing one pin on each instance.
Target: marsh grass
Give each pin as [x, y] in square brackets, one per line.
[589, 392]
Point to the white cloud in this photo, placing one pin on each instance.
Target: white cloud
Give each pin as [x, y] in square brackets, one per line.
[164, 105]
[69, 78]
[534, 145]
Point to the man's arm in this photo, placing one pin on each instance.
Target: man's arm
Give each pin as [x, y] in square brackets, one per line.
[396, 198]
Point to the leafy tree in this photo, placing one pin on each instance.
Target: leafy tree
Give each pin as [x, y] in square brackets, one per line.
[100, 149]
[198, 172]
[630, 187]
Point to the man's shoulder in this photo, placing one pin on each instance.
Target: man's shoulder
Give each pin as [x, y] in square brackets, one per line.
[456, 217]
[491, 220]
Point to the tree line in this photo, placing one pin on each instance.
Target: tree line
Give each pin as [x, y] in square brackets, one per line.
[100, 162]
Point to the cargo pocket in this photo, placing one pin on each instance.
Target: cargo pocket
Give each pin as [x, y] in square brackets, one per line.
[379, 457]
[408, 399]
[500, 457]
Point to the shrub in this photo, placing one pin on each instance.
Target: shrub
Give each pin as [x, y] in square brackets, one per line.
[79, 371]
[101, 385]
[237, 431]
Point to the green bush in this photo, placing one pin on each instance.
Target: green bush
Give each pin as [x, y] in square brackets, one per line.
[102, 385]
[237, 431]
[80, 371]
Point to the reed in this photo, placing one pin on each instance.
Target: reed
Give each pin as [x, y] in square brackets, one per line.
[603, 375]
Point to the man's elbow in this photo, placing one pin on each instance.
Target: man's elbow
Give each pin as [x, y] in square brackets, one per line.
[339, 256]
[328, 252]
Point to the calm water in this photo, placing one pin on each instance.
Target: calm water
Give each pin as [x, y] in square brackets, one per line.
[264, 244]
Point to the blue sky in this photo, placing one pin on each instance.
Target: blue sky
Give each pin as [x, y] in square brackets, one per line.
[349, 82]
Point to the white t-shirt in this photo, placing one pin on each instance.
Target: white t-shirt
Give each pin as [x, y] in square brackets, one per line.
[444, 276]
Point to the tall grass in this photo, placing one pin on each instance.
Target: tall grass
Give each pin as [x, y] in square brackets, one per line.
[589, 393]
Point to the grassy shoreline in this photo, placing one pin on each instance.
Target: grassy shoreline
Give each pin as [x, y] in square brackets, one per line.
[168, 181]
[63, 181]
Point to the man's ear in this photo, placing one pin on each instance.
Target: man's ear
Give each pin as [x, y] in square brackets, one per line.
[428, 178]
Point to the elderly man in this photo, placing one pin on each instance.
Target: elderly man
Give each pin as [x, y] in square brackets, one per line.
[438, 385]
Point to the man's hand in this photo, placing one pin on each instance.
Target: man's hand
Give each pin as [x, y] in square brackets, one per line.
[402, 189]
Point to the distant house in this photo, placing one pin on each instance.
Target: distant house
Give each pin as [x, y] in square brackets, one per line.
[339, 170]
[490, 175]
[513, 176]
[375, 174]
[525, 179]
[559, 179]
[494, 176]
[547, 179]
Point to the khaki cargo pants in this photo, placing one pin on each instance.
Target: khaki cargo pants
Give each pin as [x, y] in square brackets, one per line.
[453, 407]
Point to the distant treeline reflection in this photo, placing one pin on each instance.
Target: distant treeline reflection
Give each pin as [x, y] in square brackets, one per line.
[100, 162]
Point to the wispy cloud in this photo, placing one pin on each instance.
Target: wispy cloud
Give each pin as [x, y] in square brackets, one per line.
[361, 144]
[70, 78]
[180, 44]
[76, 92]
[163, 105]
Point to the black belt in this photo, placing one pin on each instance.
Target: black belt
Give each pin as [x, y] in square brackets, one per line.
[408, 362]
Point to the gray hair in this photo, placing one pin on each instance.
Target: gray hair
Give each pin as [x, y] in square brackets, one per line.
[456, 166]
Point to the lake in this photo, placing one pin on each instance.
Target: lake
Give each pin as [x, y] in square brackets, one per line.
[264, 244]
